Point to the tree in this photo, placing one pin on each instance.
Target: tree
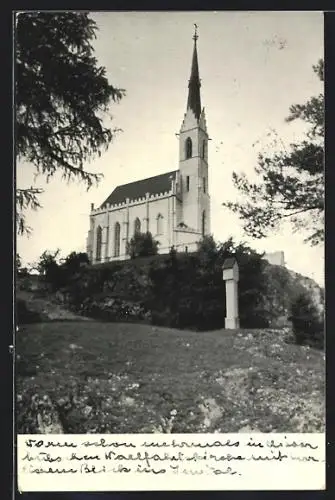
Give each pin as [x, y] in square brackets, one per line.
[50, 270]
[62, 96]
[307, 323]
[207, 250]
[74, 263]
[20, 271]
[291, 183]
[208, 246]
[18, 263]
[47, 261]
[142, 245]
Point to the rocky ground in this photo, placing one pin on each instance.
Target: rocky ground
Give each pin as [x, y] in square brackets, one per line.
[48, 308]
[82, 376]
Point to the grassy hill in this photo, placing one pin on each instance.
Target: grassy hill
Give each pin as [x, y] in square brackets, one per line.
[92, 377]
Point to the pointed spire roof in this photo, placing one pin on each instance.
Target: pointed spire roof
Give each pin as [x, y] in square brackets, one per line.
[194, 101]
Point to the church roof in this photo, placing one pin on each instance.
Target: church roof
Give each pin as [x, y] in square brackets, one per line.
[138, 189]
[194, 101]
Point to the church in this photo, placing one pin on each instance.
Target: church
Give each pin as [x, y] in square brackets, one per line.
[174, 207]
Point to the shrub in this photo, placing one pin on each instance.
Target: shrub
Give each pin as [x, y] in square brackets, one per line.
[74, 263]
[114, 309]
[50, 270]
[187, 294]
[21, 272]
[307, 323]
[24, 315]
[178, 290]
[142, 245]
[207, 250]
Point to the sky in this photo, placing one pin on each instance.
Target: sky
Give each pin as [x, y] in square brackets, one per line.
[253, 67]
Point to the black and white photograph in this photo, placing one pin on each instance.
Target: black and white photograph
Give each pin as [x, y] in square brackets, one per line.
[169, 273]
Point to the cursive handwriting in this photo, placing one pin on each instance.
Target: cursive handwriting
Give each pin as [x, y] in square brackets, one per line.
[133, 456]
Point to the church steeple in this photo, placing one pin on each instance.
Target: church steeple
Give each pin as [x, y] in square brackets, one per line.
[194, 101]
[193, 158]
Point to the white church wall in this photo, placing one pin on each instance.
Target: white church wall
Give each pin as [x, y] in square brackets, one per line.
[120, 217]
[275, 258]
[179, 212]
[99, 220]
[186, 241]
[195, 168]
[160, 207]
[137, 211]
[189, 123]
[125, 214]
[190, 215]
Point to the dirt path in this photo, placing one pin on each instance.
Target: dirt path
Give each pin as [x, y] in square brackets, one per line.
[48, 308]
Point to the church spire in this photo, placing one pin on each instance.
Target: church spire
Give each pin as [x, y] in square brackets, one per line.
[194, 101]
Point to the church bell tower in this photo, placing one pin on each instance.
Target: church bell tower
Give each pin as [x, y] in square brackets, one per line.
[193, 155]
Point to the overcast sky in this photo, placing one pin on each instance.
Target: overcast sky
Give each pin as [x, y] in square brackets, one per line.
[253, 66]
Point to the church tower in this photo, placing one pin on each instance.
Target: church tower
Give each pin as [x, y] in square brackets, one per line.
[193, 156]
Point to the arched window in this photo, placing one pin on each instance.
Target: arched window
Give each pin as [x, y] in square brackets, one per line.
[187, 183]
[159, 224]
[98, 243]
[203, 228]
[203, 149]
[117, 231]
[137, 226]
[188, 148]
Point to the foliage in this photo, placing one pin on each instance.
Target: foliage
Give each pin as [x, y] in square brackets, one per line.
[74, 263]
[18, 262]
[24, 315]
[25, 198]
[189, 292]
[61, 273]
[20, 270]
[291, 185]
[114, 309]
[173, 253]
[280, 289]
[180, 290]
[62, 96]
[142, 245]
[308, 326]
[46, 260]
[207, 249]
[49, 269]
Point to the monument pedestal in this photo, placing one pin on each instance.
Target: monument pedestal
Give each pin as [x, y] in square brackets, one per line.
[232, 323]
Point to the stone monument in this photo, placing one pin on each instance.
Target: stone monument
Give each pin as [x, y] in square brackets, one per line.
[231, 277]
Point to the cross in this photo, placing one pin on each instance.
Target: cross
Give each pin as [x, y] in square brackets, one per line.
[195, 36]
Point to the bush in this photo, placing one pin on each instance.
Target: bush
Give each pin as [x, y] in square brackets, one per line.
[24, 315]
[207, 250]
[142, 245]
[73, 264]
[50, 270]
[186, 293]
[112, 309]
[178, 290]
[307, 323]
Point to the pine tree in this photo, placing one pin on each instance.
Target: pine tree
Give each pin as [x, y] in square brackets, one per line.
[62, 96]
[291, 183]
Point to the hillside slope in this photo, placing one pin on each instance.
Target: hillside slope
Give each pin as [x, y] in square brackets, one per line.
[91, 377]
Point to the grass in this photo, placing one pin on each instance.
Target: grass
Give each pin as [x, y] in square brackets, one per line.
[91, 377]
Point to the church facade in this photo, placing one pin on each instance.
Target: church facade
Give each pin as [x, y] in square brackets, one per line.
[174, 206]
